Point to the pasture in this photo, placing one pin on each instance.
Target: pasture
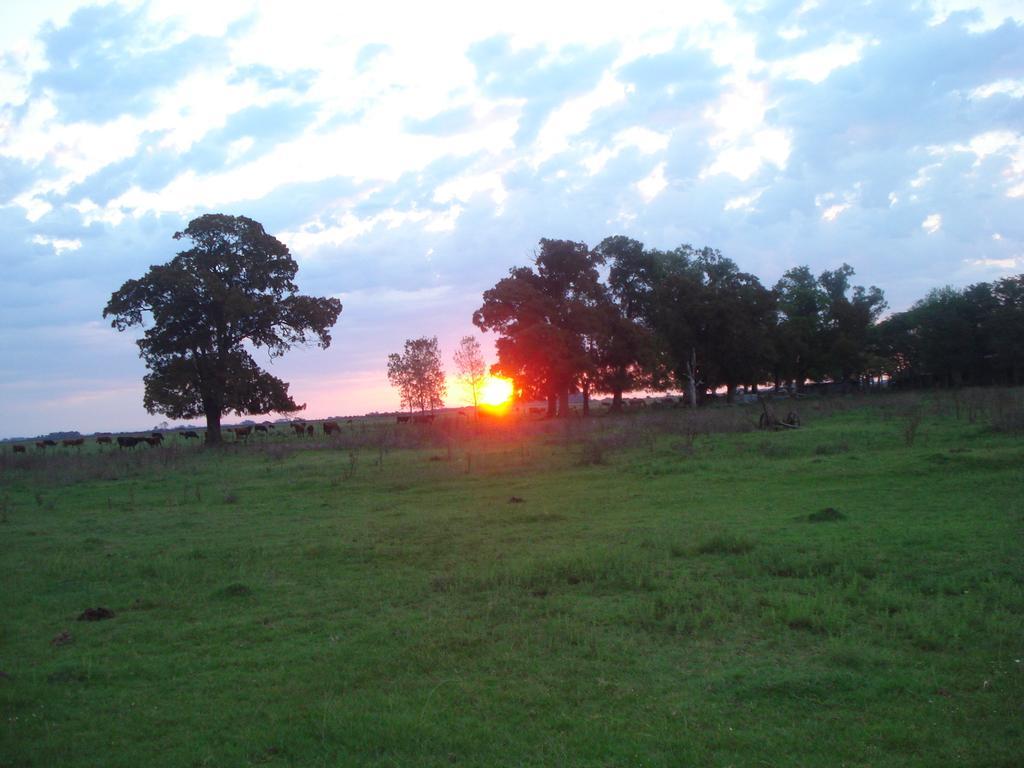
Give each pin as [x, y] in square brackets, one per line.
[660, 589]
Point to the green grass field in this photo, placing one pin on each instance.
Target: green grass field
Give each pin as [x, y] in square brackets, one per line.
[640, 591]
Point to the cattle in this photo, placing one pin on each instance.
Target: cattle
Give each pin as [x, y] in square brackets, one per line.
[41, 445]
[402, 419]
[331, 428]
[152, 441]
[73, 442]
[300, 429]
[309, 430]
[124, 441]
[18, 448]
[423, 418]
[190, 435]
[158, 436]
[242, 433]
[103, 439]
[260, 428]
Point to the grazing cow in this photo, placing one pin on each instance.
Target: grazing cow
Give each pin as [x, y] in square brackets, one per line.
[128, 442]
[260, 428]
[402, 419]
[331, 428]
[158, 436]
[309, 430]
[423, 418]
[103, 440]
[242, 433]
[190, 435]
[19, 448]
[300, 429]
[152, 441]
[72, 442]
[41, 445]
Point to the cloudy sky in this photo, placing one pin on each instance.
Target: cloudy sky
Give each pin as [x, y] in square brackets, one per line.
[410, 153]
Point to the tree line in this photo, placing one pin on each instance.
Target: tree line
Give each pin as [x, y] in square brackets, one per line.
[622, 317]
[612, 319]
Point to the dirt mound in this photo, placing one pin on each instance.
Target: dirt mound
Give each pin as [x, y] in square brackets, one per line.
[64, 638]
[826, 515]
[96, 614]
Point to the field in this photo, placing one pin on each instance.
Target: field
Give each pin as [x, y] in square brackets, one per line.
[650, 590]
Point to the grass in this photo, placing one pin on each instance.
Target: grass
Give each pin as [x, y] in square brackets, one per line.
[655, 590]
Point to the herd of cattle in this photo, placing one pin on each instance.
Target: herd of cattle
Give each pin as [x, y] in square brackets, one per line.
[154, 439]
[300, 428]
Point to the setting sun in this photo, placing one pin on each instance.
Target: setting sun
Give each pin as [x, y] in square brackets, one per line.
[495, 391]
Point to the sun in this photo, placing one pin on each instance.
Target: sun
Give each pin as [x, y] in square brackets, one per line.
[495, 391]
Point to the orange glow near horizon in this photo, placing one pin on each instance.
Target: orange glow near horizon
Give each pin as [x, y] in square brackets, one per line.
[495, 391]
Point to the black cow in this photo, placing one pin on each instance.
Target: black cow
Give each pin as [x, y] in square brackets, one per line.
[190, 435]
[128, 442]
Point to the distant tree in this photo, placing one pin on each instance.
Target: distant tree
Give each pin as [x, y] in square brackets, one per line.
[234, 289]
[470, 367]
[1005, 328]
[418, 375]
[801, 304]
[845, 323]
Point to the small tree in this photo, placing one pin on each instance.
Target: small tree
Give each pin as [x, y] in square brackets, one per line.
[470, 367]
[417, 374]
[233, 290]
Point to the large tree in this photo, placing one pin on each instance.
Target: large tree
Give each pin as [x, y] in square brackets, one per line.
[544, 317]
[626, 350]
[417, 374]
[231, 292]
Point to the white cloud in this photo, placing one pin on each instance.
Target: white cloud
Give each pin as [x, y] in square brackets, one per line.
[316, 235]
[992, 12]
[791, 33]
[932, 223]
[832, 212]
[743, 161]
[1010, 263]
[815, 66]
[1012, 88]
[468, 185]
[573, 117]
[643, 139]
[59, 245]
[653, 184]
[744, 202]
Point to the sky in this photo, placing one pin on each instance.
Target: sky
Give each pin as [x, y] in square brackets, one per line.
[409, 154]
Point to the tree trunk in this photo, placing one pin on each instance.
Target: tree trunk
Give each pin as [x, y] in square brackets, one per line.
[691, 378]
[213, 436]
[730, 392]
[617, 400]
[586, 398]
[563, 403]
[552, 404]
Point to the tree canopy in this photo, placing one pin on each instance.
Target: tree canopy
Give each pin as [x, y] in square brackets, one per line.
[231, 292]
